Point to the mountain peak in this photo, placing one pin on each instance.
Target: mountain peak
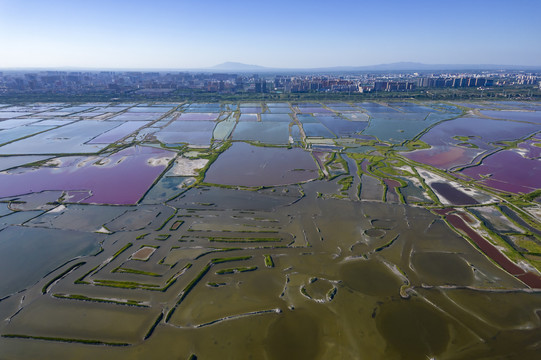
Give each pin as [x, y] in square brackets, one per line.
[236, 66]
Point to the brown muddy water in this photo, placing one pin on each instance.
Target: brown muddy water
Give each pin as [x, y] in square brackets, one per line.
[348, 280]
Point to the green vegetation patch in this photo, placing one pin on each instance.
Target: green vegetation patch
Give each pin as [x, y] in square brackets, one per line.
[268, 261]
[134, 271]
[124, 248]
[236, 270]
[223, 260]
[68, 340]
[244, 240]
[346, 183]
[110, 301]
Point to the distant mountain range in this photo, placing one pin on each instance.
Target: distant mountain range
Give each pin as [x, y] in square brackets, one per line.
[236, 67]
[397, 66]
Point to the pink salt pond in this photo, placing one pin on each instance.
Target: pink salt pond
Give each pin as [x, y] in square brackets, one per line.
[121, 178]
[508, 171]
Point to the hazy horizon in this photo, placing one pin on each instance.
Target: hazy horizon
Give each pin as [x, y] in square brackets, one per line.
[182, 35]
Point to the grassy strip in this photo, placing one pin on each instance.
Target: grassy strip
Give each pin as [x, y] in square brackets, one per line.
[384, 246]
[239, 231]
[427, 188]
[81, 279]
[187, 289]
[417, 145]
[68, 340]
[60, 276]
[346, 183]
[133, 271]
[236, 270]
[86, 298]
[211, 159]
[198, 278]
[126, 284]
[166, 221]
[245, 240]
[223, 260]
[153, 327]
[128, 245]
[268, 261]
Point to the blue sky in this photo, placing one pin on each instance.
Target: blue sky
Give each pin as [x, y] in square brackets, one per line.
[202, 33]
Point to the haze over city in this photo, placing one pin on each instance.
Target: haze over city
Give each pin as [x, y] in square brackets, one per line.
[167, 34]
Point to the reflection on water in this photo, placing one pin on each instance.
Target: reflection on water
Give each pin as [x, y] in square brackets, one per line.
[270, 253]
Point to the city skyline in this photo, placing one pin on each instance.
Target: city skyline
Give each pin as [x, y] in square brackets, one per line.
[186, 34]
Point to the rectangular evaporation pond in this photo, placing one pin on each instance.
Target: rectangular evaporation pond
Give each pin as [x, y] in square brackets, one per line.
[120, 179]
[10, 124]
[13, 114]
[355, 116]
[28, 254]
[410, 107]
[20, 132]
[114, 109]
[169, 105]
[136, 117]
[341, 109]
[264, 132]
[166, 188]
[250, 110]
[9, 162]
[300, 105]
[119, 132]
[400, 116]
[307, 118]
[74, 109]
[54, 122]
[187, 126]
[374, 108]
[317, 130]
[276, 117]
[509, 171]
[70, 138]
[444, 156]
[486, 129]
[530, 116]
[201, 138]
[315, 111]
[55, 113]
[342, 127]
[280, 110]
[248, 117]
[91, 114]
[341, 104]
[198, 116]
[203, 110]
[150, 109]
[277, 105]
[395, 131]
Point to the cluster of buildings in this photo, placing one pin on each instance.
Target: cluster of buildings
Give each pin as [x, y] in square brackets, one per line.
[163, 82]
[428, 82]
